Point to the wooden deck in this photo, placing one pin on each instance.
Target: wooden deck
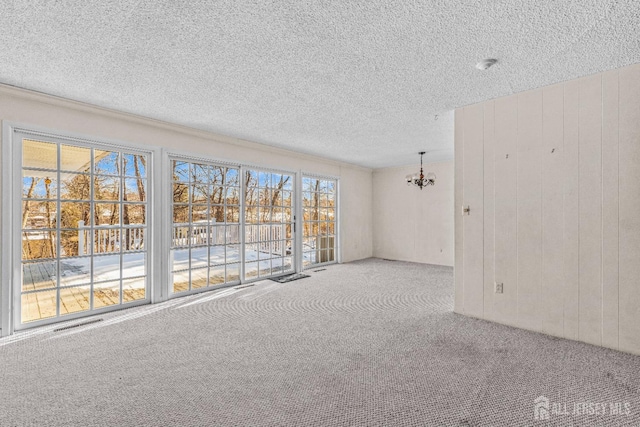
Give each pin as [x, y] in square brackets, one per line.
[197, 283]
[43, 305]
[40, 275]
[200, 281]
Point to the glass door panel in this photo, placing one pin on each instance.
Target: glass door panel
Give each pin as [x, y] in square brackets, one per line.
[269, 224]
[205, 226]
[83, 228]
[319, 222]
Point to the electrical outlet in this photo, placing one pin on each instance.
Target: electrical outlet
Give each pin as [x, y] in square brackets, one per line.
[499, 287]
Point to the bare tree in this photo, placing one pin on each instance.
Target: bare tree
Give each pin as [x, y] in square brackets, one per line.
[27, 203]
[141, 191]
[25, 216]
[251, 183]
[276, 191]
[47, 186]
[217, 195]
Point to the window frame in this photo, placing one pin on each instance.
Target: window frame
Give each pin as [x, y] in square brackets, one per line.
[158, 218]
[294, 230]
[11, 270]
[170, 157]
[337, 245]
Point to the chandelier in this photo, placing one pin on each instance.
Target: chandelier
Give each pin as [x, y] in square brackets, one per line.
[419, 180]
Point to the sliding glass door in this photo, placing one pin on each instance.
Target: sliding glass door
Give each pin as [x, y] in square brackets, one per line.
[205, 232]
[206, 247]
[319, 220]
[82, 215]
[269, 223]
[83, 228]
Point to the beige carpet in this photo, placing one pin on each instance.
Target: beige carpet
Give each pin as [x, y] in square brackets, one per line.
[371, 343]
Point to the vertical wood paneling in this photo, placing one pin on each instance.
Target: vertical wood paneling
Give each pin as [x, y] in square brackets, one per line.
[590, 194]
[505, 132]
[458, 236]
[562, 203]
[473, 195]
[571, 209]
[610, 209]
[552, 211]
[489, 200]
[629, 140]
[529, 209]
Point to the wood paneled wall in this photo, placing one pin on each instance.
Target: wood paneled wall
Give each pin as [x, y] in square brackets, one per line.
[552, 180]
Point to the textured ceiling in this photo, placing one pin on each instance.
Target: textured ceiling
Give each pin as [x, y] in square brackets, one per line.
[359, 81]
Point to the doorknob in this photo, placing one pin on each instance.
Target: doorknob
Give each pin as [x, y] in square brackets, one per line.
[466, 210]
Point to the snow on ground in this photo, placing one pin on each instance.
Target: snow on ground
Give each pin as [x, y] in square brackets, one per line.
[76, 271]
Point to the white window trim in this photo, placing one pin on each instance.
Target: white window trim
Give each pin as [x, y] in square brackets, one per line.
[11, 204]
[159, 217]
[338, 234]
[169, 155]
[6, 292]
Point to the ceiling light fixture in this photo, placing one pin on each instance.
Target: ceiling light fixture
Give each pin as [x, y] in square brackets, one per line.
[486, 63]
[419, 180]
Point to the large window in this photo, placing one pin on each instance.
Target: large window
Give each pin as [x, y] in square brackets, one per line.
[83, 228]
[318, 220]
[205, 240]
[81, 211]
[269, 219]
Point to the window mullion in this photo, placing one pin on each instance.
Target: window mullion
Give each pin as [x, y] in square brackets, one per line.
[243, 192]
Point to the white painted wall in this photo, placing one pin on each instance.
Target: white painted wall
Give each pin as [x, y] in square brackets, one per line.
[410, 224]
[552, 177]
[33, 109]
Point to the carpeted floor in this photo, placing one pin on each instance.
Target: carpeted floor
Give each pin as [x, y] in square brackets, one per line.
[370, 343]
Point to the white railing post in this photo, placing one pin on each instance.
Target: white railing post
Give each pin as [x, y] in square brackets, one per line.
[80, 238]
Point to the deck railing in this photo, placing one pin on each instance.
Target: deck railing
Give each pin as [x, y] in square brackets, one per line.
[108, 240]
[269, 238]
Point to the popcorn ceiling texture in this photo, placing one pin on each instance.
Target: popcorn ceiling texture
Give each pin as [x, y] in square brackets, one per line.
[357, 81]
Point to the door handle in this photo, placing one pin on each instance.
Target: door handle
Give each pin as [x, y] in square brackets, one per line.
[466, 210]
